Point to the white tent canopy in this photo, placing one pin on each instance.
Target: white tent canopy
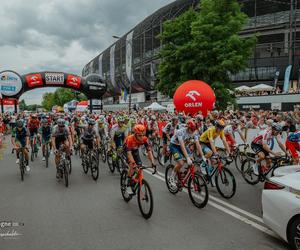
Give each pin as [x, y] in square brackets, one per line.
[262, 87]
[243, 88]
[155, 106]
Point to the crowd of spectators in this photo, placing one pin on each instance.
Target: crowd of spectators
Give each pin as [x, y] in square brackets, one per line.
[277, 91]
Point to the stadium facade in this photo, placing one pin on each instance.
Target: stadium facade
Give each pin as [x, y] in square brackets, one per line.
[134, 57]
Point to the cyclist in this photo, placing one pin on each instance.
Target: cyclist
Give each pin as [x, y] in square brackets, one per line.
[179, 148]
[167, 132]
[45, 132]
[263, 144]
[152, 127]
[102, 128]
[20, 138]
[229, 131]
[33, 126]
[89, 136]
[117, 133]
[60, 136]
[208, 137]
[131, 147]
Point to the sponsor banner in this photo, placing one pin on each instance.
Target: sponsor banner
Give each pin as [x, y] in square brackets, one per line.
[54, 78]
[100, 65]
[34, 80]
[287, 78]
[10, 83]
[73, 81]
[112, 66]
[129, 72]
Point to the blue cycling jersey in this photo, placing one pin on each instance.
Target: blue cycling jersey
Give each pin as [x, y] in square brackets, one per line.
[294, 137]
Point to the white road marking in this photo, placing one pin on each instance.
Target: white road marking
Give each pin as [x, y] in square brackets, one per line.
[232, 213]
[237, 209]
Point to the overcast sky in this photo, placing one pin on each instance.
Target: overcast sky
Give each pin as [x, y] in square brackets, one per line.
[63, 35]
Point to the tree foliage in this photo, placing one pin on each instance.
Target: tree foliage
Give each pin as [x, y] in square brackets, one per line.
[205, 45]
[60, 97]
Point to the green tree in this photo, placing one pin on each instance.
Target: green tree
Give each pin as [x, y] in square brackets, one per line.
[22, 105]
[205, 45]
[60, 97]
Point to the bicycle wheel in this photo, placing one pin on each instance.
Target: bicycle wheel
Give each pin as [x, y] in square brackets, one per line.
[47, 155]
[198, 191]
[66, 175]
[32, 153]
[123, 183]
[69, 164]
[238, 160]
[160, 156]
[172, 188]
[95, 168]
[145, 199]
[103, 154]
[225, 183]
[110, 164]
[247, 172]
[84, 164]
[21, 164]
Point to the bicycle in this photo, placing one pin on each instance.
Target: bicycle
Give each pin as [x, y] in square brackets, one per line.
[140, 187]
[103, 150]
[34, 147]
[192, 180]
[168, 156]
[113, 160]
[64, 165]
[251, 178]
[22, 160]
[76, 146]
[91, 161]
[223, 176]
[47, 153]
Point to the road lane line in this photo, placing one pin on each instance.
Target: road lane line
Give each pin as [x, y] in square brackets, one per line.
[233, 207]
[229, 212]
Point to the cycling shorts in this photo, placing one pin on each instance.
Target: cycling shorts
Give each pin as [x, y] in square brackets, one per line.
[177, 152]
[257, 148]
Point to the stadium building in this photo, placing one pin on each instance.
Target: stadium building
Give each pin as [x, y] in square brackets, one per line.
[131, 63]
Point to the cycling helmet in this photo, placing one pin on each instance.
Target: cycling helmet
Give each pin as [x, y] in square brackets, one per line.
[20, 123]
[199, 118]
[44, 121]
[153, 117]
[101, 119]
[276, 127]
[126, 118]
[191, 125]
[220, 124]
[33, 116]
[139, 129]
[61, 122]
[120, 119]
[91, 122]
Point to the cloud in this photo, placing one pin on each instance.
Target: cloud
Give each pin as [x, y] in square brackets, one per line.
[64, 35]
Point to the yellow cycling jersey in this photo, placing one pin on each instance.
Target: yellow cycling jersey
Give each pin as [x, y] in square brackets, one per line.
[211, 133]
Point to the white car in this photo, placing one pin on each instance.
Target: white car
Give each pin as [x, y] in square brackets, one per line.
[281, 204]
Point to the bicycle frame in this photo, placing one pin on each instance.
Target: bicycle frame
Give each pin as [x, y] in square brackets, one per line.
[190, 173]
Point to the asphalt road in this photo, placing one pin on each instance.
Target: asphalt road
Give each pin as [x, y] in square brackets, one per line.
[93, 215]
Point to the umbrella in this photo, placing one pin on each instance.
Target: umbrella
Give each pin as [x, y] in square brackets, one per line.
[243, 88]
[156, 106]
[262, 87]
